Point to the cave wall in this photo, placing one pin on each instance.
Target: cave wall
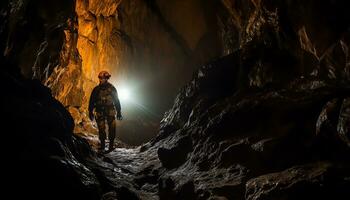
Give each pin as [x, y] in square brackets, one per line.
[142, 39]
[137, 41]
[142, 42]
[266, 121]
[148, 40]
[129, 38]
[91, 46]
[43, 156]
[286, 38]
[33, 36]
[151, 39]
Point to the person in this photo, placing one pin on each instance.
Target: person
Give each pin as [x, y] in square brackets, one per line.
[104, 105]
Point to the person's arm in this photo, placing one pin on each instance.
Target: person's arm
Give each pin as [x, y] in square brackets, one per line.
[92, 101]
[117, 103]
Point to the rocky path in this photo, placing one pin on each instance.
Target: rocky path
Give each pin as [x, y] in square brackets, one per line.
[123, 171]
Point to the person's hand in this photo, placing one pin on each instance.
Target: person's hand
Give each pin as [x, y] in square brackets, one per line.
[119, 116]
[91, 116]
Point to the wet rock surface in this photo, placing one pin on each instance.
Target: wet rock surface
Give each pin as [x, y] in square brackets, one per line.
[265, 121]
[270, 120]
[46, 159]
[316, 180]
[247, 135]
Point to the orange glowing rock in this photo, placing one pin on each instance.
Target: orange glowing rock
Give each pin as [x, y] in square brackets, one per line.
[91, 45]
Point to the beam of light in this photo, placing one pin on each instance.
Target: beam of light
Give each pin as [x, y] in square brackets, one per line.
[131, 99]
[124, 94]
[146, 110]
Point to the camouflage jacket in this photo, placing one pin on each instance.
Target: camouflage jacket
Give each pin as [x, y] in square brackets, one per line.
[104, 97]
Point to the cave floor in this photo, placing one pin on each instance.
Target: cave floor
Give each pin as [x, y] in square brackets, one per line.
[125, 168]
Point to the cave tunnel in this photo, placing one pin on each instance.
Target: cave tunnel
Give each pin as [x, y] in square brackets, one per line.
[221, 99]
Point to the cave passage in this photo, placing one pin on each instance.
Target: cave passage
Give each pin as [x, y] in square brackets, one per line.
[149, 50]
[222, 100]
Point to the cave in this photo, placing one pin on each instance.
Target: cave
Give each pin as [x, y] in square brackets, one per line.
[221, 100]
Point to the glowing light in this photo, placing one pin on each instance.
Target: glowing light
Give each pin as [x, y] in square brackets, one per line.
[132, 99]
[124, 94]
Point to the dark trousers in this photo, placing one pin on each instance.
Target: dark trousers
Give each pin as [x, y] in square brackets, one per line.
[104, 120]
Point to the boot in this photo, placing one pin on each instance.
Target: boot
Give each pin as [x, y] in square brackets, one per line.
[102, 146]
[111, 145]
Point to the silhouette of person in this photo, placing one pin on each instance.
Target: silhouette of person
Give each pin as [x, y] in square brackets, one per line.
[104, 105]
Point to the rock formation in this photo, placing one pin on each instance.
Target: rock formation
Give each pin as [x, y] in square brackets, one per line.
[125, 38]
[269, 119]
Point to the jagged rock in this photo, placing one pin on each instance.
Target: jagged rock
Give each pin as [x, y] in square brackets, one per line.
[319, 180]
[78, 118]
[255, 25]
[44, 156]
[83, 125]
[238, 153]
[125, 193]
[272, 109]
[147, 176]
[121, 194]
[229, 191]
[109, 196]
[244, 126]
[327, 121]
[166, 188]
[177, 155]
[218, 198]
[343, 126]
[186, 191]
[40, 31]
[331, 128]
[335, 62]
[200, 93]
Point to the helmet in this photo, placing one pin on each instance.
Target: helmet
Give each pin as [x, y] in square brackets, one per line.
[104, 74]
